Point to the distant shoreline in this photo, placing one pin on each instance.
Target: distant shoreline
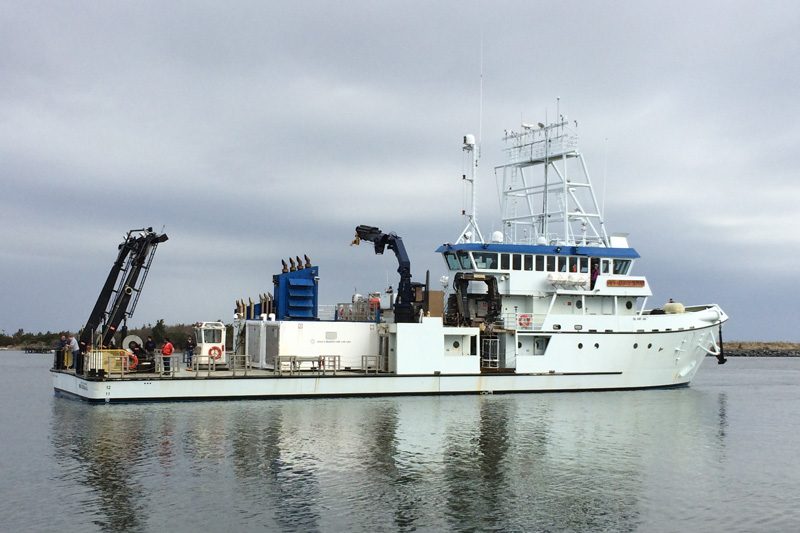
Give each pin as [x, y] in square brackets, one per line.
[761, 349]
[729, 352]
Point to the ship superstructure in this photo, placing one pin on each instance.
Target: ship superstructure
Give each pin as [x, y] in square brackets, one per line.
[553, 274]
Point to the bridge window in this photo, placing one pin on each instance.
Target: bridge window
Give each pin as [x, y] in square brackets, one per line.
[539, 263]
[452, 261]
[605, 269]
[212, 335]
[485, 260]
[573, 264]
[504, 262]
[621, 266]
[528, 262]
[516, 260]
[562, 264]
[458, 261]
[551, 263]
[584, 265]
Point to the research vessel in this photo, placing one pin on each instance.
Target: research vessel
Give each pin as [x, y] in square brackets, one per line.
[550, 303]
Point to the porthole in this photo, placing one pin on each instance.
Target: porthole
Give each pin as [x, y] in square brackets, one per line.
[579, 304]
[597, 345]
[519, 345]
[556, 326]
[649, 346]
[456, 344]
[629, 305]
[580, 346]
[635, 345]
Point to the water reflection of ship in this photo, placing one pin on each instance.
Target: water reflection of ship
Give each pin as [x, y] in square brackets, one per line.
[496, 462]
[275, 463]
[93, 447]
[575, 462]
[517, 462]
[473, 466]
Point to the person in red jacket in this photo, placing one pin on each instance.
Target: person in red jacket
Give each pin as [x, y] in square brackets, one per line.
[166, 351]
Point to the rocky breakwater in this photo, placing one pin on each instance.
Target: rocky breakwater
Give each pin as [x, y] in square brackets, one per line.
[762, 349]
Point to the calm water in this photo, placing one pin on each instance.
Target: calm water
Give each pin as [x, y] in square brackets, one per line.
[719, 456]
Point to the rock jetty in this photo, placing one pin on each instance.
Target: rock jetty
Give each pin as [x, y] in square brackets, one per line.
[762, 349]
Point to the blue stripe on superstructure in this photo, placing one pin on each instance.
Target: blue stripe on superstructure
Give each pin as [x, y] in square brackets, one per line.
[588, 251]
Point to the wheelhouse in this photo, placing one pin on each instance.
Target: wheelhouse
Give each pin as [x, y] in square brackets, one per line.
[508, 258]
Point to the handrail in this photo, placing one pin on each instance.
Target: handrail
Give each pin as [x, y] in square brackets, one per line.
[519, 320]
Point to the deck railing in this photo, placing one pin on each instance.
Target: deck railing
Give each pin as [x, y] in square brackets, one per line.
[519, 321]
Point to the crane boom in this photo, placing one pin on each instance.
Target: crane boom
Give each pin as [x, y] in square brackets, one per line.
[404, 308]
[124, 283]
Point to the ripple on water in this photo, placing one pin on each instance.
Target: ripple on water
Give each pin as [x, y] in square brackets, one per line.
[717, 456]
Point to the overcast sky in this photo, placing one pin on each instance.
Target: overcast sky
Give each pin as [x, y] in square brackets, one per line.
[252, 131]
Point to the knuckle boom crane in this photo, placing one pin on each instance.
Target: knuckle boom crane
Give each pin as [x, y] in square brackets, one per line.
[120, 293]
[412, 297]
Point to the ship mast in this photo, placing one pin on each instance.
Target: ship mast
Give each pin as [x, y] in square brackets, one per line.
[547, 194]
[471, 232]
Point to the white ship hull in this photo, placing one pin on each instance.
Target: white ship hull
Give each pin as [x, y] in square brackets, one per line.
[672, 360]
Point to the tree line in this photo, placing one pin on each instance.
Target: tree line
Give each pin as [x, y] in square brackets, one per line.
[177, 333]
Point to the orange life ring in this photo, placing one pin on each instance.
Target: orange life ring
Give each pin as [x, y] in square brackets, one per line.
[215, 352]
[524, 321]
[135, 363]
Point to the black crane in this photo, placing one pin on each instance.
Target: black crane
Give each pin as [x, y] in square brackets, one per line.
[462, 306]
[406, 305]
[122, 288]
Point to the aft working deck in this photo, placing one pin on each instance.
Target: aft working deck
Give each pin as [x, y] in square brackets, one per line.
[117, 366]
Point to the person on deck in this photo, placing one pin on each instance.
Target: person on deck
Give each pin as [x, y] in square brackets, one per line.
[595, 273]
[166, 352]
[150, 347]
[77, 360]
[190, 344]
[61, 346]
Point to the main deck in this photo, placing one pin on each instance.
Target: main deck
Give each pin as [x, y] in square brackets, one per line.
[262, 384]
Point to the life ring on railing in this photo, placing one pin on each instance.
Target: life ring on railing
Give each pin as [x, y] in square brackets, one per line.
[134, 363]
[215, 352]
[524, 321]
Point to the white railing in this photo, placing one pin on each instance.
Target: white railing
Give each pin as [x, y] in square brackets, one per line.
[568, 280]
[326, 312]
[519, 321]
[361, 311]
[536, 147]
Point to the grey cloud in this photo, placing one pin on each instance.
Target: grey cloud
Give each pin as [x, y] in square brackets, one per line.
[252, 131]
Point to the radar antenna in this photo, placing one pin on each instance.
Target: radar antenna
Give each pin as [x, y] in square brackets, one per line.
[471, 232]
